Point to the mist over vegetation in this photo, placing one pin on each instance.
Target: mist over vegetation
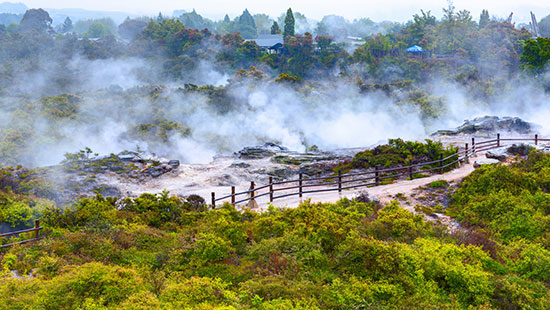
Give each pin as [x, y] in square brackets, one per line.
[190, 87]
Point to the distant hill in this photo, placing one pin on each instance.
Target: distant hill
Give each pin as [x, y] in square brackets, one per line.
[14, 8]
[59, 15]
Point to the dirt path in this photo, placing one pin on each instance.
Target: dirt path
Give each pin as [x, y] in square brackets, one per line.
[383, 192]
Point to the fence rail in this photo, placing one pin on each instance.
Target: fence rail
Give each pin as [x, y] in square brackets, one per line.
[36, 231]
[340, 182]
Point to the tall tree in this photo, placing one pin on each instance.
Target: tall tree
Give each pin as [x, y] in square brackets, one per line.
[484, 19]
[36, 19]
[289, 24]
[67, 25]
[247, 19]
[275, 28]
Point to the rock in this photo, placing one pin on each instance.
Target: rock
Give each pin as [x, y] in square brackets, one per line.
[155, 171]
[240, 164]
[366, 197]
[485, 161]
[174, 163]
[127, 156]
[280, 172]
[224, 180]
[259, 152]
[317, 169]
[252, 204]
[490, 125]
[108, 191]
[494, 155]
[116, 168]
[298, 159]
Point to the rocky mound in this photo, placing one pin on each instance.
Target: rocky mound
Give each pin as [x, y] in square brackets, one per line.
[80, 177]
[488, 125]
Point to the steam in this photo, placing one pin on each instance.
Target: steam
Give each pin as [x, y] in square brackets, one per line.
[334, 113]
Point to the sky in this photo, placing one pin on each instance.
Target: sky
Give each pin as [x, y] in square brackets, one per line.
[395, 10]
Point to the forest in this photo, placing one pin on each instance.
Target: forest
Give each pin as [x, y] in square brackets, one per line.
[191, 88]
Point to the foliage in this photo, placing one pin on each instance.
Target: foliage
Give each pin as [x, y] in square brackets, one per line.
[536, 54]
[399, 152]
[289, 30]
[157, 251]
[510, 201]
[275, 28]
[37, 20]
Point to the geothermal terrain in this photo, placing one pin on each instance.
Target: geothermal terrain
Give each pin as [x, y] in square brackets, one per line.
[129, 174]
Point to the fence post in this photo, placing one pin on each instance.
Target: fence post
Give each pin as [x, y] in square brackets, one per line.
[536, 139]
[339, 181]
[270, 189]
[37, 231]
[213, 199]
[300, 184]
[376, 176]
[498, 139]
[252, 186]
[473, 146]
[411, 172]
[467, 155]
[440, 163]
[232, 195]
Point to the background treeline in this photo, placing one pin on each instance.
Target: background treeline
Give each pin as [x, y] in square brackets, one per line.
[456, 46]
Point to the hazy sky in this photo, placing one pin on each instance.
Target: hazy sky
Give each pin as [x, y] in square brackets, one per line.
[398, 10]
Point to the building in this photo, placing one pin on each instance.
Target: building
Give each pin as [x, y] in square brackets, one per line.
[270, 43]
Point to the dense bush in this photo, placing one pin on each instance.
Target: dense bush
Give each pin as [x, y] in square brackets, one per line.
[157, 251]
[513, 201]
[398, 152]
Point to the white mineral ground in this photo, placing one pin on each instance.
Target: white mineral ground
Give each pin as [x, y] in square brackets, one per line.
[219, 176]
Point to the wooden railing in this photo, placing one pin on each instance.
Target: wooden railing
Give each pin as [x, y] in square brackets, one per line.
[340, 182]
[36, 231]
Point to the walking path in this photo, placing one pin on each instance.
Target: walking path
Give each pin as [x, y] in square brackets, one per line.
[383, 192]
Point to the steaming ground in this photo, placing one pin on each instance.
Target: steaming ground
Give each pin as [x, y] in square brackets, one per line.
[116, 95]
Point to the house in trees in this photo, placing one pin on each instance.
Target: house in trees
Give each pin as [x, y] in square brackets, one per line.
[270, 43]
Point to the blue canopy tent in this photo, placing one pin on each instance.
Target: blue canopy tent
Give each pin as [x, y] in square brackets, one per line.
[415, 49]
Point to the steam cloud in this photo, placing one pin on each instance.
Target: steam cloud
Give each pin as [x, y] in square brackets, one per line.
[331, 114]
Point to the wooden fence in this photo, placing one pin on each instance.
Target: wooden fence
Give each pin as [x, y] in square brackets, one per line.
[36, 231]
[340, 182]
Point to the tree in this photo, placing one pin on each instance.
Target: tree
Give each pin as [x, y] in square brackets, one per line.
[98, 30]
[67, 25]
[536, 54]
[289, 24]
[36, 19]
[194, 20]
[263, 23]
[300, 49]
[160, 18]
[484, 19]
[275, 28]
[544, 26]
[417, 29]
[245, 25]
[131, 27]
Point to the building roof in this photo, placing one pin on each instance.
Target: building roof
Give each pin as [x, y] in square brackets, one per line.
[268, 40]
[415, 49]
